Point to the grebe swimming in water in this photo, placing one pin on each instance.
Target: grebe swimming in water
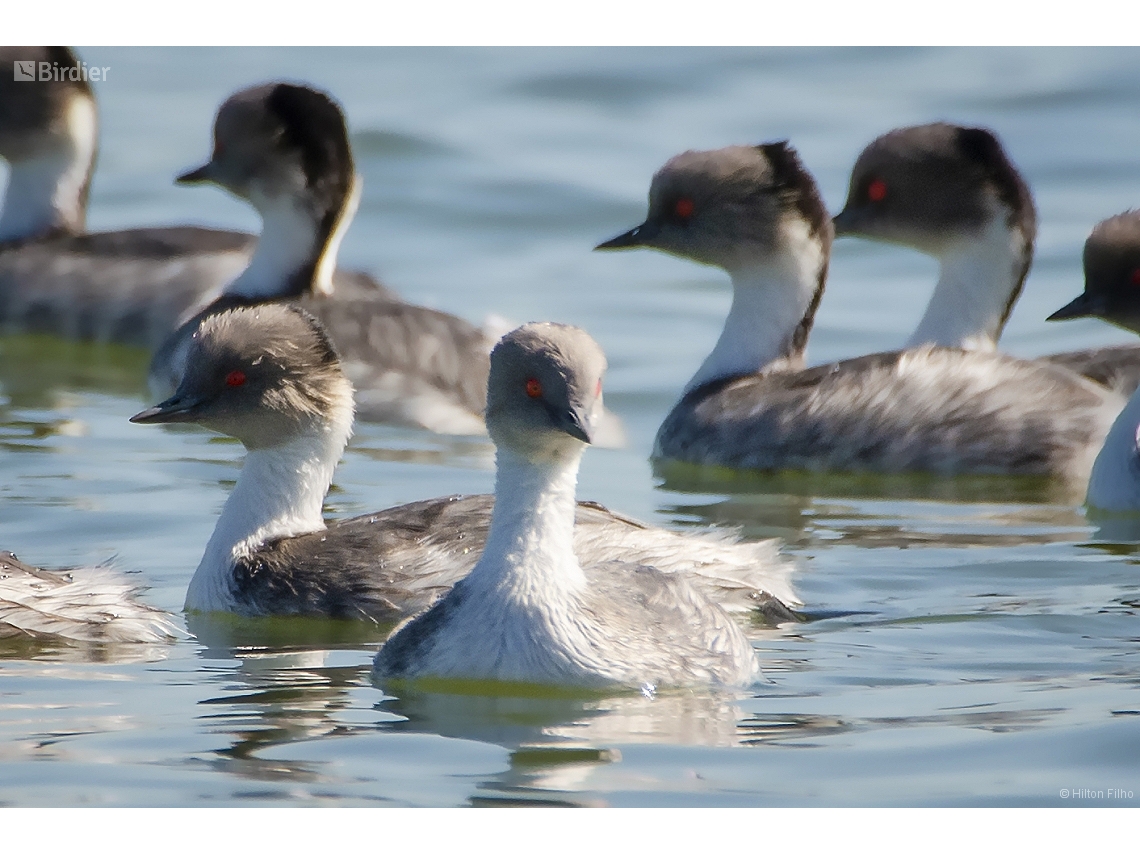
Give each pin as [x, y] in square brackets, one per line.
[531, 610]
[79, 604]
[285, 149]
[269, 376]
[756, 213]
[954, 193]
[1112, 292]
[131, 286]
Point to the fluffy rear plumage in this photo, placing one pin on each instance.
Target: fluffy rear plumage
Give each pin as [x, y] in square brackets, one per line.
[92, 604]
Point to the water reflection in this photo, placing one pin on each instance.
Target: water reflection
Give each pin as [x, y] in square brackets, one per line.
[283, 690]
[270, 705]
[56, 650]
[1006, 489]
[812, 521]
[394, 445]
[284, 702]
[1119, 532]
[34, 369]
[803, 730]
[300, 730]
[225, 636]
[557, 741]
[24, 434]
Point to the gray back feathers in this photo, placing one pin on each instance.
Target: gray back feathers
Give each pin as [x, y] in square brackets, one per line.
[929, 409]
[395, 563]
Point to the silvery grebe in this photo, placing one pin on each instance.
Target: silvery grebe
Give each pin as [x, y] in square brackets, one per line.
[284, 148]
[269, 376]
[79, 604]
[1112, 292]
[953, 193]
[756, 213]
[131, 286]
[530, 610]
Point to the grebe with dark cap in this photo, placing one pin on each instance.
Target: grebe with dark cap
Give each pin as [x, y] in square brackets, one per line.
[756, 213]
[954, 193]
[131, 286]
[270, 376]
[285, 149]
[1112, 292]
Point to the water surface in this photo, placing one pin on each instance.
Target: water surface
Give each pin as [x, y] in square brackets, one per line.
[972, 641]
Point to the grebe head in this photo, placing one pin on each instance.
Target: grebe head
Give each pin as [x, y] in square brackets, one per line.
[49, 135]
[544, 392]
[266, 375]
[280, 140]
[730, 207]
[33, 113]
[931, 186]
[1112, 274]
[754, 211]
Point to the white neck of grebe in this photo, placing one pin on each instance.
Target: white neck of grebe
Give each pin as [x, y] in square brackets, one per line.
[771, 297]
[978, 278]
[48, 192]
[1114, 484]
[292, 243]
[279, 493]
[529, 556]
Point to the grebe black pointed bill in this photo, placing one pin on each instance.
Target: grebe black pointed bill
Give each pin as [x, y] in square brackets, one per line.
[575, 423]
[1084, 306]
[173, 409]
[196, 176]
[845, 222]
[642, 235]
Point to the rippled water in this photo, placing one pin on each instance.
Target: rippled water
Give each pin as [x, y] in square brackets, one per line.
[970, 642]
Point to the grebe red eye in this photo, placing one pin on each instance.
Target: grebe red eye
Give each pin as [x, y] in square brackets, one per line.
[683, 208]
[235, 378]
[1136, 276]
[877, 190]
[533, 388]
